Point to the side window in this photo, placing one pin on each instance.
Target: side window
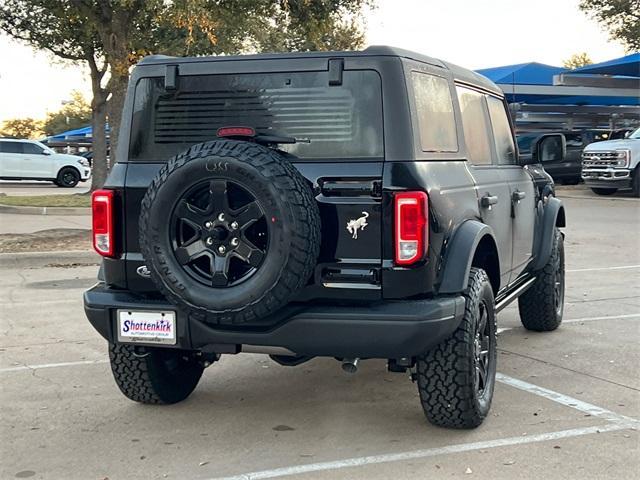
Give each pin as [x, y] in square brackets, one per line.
[573, 139]
[502, 135]
[475, 125]
[434, 109]
[32, 149]
[11, 147]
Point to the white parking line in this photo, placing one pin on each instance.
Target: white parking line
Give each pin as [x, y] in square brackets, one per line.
[566, 400]
[416, 454]
[580, 320]
[21, 368]
[597, 269]
[618, 422]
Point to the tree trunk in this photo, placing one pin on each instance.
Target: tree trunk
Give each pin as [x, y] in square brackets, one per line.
[100, 168]
[115, 105]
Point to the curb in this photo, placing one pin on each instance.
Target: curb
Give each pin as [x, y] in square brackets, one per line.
[21, 210]
[42, 259]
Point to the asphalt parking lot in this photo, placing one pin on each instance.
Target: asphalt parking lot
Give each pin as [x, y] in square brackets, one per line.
[40, 188]
[566, 406]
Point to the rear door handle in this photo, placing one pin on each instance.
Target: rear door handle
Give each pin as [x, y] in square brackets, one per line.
[488, 200]
[518, 195]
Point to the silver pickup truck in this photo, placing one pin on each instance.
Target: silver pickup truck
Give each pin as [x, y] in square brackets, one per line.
[613, 165]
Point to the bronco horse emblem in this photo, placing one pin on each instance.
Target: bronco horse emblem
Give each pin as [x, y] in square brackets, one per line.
[354, 225]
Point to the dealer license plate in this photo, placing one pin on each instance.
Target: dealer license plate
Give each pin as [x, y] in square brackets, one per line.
[147, 327]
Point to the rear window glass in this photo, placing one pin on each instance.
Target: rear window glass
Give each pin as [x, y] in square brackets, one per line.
[434, 109]
[340, 122]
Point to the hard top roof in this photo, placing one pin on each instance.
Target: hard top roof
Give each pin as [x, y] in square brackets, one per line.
[459, 73]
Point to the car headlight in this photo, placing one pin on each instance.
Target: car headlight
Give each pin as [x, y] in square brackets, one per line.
[84, 162]
[622, 158]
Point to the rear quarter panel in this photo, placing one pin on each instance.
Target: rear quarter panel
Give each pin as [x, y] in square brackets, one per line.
[452, 200]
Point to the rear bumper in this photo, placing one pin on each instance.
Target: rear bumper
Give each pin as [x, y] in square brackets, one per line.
[392, 329]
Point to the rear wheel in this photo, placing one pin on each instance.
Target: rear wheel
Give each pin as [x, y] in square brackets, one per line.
[541, 307]
[68, 177]
[456, 379]
[156, 375]
[604, 191]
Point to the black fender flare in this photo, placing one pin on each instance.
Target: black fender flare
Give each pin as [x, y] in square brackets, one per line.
[459, 255]
[553, 216]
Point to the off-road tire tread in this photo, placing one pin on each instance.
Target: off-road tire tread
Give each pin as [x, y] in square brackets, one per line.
[537, 305]
[140, 382]
[447, 392]
[305, 239]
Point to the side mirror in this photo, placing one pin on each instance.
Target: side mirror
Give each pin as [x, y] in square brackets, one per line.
[46, 152]
[550, 147]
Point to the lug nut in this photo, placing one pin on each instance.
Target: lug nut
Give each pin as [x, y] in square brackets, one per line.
[208, 225]
[209, 241]
[221, 217]
[234, 225]
[235, 242]
[221, 249]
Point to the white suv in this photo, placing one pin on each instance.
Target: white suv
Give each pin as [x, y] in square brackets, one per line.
[31, 160]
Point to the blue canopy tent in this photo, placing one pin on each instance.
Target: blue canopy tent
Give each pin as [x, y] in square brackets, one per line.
[531, 73]
[533, 83]
[78, 133]
[77, 137]
[627, 66]
[546, 96]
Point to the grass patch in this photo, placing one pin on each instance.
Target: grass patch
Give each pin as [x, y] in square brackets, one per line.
[72, 200]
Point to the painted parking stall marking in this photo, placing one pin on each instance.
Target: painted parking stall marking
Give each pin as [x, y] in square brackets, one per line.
[615, 423]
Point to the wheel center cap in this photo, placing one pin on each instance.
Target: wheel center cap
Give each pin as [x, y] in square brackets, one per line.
[219, 233]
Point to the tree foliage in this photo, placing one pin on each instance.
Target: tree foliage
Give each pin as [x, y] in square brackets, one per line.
[112, 35]
[21, 128]
[75, 113]
[621, 18]
[577, 60]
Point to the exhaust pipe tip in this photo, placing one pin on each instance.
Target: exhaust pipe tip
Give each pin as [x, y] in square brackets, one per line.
[350, 365]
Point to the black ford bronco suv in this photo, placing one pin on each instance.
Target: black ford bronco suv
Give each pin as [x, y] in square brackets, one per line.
[352, 205]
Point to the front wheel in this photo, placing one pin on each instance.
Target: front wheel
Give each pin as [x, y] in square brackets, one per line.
[541, 307]
[635, 183]
[68, 177]
[456, 379]
[604, 190]
[156, 375]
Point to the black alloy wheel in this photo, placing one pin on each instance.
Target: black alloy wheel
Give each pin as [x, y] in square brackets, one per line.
[230, 232]
[68, 177]
[482, 348]
[219, 233]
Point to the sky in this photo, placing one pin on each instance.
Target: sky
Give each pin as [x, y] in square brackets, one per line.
[471, 33]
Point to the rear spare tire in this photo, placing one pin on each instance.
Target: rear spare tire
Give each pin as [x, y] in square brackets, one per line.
[230, 231]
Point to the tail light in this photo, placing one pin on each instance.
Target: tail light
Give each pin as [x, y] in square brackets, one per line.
[102, 212]
[411, 227]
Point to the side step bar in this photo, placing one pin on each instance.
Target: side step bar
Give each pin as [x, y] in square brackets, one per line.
[512, 295]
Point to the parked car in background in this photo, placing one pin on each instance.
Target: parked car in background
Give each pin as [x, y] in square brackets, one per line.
[31, 160]
[568, 170]
[89, 156]
[613, 165]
